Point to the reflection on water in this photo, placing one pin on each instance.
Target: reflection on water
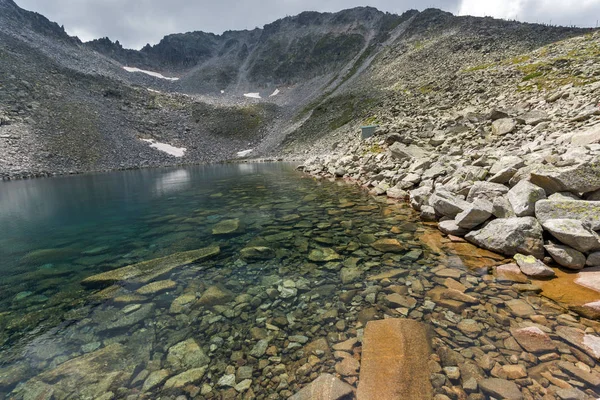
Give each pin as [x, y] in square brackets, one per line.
[236, 282]
[172, 182]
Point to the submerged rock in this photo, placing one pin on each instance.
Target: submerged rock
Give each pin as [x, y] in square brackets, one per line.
[510, 236]
[325, 387]
[190, 376]
[215, 295]
[186, 355]
[146, 271]
[227, 227]
[85, 377]
[257, 253]
[323, 254]
[501, 389]
[588, 343]
[157, 287]
[394, 361]
[533, 340]
[388, 246]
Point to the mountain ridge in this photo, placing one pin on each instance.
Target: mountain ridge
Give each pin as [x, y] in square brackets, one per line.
[316, 73]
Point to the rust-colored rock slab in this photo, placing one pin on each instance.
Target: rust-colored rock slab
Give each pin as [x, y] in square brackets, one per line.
[394, 361]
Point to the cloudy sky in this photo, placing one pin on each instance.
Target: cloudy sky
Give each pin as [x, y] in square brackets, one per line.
[137, 22]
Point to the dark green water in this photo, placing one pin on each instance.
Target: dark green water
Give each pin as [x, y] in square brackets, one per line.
[298, 271]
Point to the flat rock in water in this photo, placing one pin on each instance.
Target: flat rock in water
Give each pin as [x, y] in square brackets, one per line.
[215, 295]
[533, 339]
[157, 287]
[185, 378]
[500, 389]
[227, 227]
[257, 253]
[394, 363]
[531, 266]
[510, 236]
[520, 308]
[589, 278]
[510, 273]
[587, 212]
[590, 344]
[574, 234]
[325, 387]
[146, 271]
[323, 254]
[388, 246]
[86, 376]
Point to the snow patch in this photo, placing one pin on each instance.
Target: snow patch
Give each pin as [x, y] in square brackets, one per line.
[244, 153]
[275, 93]
[154, 74]
[167, 148]
[253, 95]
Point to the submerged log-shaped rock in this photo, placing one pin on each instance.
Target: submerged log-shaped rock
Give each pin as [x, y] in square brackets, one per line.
[394, 361]
[146, 271]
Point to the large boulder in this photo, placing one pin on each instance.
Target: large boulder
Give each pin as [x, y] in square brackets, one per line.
[447, 204]
[476, 214]
[402, 152]
[507, 162]
[523, 196]
[566, 256]
[581, 178]
[587, 212]
[420, 197]
[486, 190]
[573, 233]
[533, 117]
[510, 236]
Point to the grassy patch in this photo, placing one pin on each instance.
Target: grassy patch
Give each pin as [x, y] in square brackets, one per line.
[533, 75]
[479, 67]
[373, 149]
[374, 120]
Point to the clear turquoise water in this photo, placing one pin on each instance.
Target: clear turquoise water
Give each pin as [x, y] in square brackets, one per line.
[266, 326]
[56, 232]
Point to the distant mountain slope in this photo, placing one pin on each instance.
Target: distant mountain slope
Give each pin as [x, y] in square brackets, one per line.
[68, 106]
[287, 51]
